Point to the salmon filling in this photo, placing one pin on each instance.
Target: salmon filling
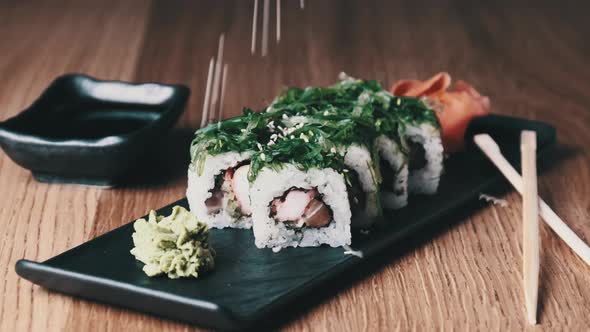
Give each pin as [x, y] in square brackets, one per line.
[301, 207]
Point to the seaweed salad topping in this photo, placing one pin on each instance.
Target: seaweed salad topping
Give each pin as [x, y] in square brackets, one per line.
[311, 127]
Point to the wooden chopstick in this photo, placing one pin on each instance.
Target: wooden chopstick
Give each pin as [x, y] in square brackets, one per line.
[265, 19]
[223, 80]
[205, 111]
[213, 105]
[492, 151]
[530, 218]
[278, 21]
[217, 79]
[254, 26]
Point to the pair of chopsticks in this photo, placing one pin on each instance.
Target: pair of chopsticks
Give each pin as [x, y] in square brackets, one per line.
[265, 24]
[215, 90]
[533, 206]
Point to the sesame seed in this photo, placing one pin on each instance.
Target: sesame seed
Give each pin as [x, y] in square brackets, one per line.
[262, 157]
[399, 101]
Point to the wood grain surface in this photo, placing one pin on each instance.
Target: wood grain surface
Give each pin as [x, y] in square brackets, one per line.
[531, 60]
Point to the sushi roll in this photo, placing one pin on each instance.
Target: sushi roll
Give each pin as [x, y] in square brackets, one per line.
[347, 138]
[360, 167]
[409, 142]
[218, 190]
[218, 194]
[421, 136]
[300, 208]
[392, 153]
[394, 169]
[301, 189]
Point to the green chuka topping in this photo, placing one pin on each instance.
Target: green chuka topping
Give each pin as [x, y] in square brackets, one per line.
[309, 127]
[176, 245]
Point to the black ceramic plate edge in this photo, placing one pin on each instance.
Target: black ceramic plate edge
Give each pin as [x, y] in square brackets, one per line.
[125, 295]
[211, 315]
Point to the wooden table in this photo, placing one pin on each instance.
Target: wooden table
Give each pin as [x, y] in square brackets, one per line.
[532, 62]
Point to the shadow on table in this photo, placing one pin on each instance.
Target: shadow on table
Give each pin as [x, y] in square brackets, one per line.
[165, 162]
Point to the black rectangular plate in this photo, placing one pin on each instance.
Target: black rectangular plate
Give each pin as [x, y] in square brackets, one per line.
[251, 286]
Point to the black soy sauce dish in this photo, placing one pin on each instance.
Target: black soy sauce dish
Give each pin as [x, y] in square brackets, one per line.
[88, 131]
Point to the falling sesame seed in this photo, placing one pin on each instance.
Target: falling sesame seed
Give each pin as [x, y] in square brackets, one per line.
[399, 101]
[262, 157]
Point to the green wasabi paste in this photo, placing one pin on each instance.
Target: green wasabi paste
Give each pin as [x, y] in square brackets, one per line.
[176, 245]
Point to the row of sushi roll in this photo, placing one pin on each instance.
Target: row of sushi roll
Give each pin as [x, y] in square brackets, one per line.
[321, 160]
